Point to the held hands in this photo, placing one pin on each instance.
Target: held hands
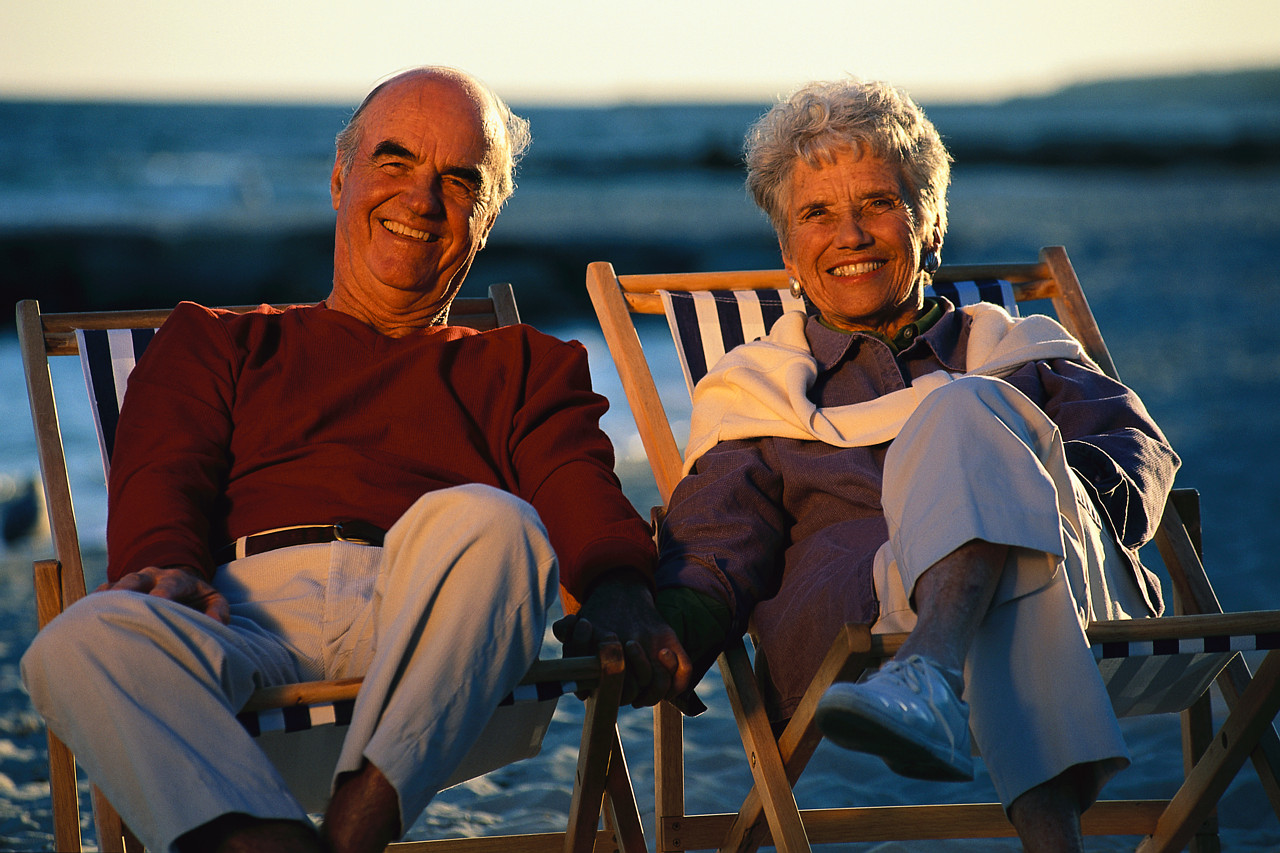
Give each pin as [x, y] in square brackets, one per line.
[622, 609]
[175, 583]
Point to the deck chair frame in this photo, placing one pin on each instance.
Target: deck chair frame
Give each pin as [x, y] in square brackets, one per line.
[769, 814]
[602, 783]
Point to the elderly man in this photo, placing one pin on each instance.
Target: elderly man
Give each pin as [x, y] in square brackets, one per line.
[354, 488]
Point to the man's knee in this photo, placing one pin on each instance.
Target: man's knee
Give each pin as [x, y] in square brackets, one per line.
[63, 652]
[482, 519]
[478, 507]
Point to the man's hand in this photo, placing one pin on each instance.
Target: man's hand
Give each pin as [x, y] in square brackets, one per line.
[622, 609]
[179, 584]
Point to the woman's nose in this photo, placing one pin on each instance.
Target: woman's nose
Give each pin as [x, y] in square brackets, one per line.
[851, 232]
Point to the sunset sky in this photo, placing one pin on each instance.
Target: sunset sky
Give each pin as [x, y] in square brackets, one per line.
[576, 51]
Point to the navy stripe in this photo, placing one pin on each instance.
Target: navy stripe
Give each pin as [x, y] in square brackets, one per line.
[1217, 644]
[141, 337]
[690, 341]
[1268, 640]
[297, 718]
[1164, 647]
[249, 720]
[342, 711]
[947, 290]
[98, 354]
[730, 314]
[770, 308]
[989, 290]
[1115, 650]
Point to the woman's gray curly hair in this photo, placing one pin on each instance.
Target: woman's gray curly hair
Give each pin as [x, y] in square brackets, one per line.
[503, 154]
[822, 117]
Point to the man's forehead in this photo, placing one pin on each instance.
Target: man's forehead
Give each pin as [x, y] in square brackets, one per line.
[430, 111]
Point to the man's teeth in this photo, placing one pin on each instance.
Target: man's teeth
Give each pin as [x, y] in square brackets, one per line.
[406, 231]
[858, 269]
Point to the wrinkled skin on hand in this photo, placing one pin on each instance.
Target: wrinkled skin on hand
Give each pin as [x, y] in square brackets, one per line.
[176, 583]
[621, 609]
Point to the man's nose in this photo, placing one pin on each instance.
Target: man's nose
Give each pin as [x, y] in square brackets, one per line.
[424, 197]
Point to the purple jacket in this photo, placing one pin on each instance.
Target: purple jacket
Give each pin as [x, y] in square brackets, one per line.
[785, 531]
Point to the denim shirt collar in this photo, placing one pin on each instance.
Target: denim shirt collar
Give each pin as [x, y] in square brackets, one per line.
[946, 339]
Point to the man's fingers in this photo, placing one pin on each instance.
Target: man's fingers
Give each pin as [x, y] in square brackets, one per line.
[563, 628]
[679, 667]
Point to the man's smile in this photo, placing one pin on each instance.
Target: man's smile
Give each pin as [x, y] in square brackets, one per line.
[411, 233]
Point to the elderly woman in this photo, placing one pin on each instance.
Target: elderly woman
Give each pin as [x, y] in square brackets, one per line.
[891, 459]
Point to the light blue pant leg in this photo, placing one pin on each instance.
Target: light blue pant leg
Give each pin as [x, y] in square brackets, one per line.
[978, 460]
[458, 616]
[144, 691]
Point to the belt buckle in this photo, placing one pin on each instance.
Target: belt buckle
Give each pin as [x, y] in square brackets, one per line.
[350, 531]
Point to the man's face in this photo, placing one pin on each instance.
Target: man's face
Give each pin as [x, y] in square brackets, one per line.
[412, 210]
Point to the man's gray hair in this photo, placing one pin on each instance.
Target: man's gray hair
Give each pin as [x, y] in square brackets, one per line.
[504, 153]
[822, 117]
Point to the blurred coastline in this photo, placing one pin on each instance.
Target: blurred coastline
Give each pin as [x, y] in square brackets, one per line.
[139, 204]
[1163, 191]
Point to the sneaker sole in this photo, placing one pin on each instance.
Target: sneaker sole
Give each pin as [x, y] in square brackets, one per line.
[904, 756]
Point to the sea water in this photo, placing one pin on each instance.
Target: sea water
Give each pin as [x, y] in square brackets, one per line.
[1178, 262]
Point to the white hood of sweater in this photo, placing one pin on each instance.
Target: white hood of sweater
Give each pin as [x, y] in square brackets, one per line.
[761, 388]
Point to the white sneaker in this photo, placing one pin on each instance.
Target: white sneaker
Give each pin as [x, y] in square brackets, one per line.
[908, 715]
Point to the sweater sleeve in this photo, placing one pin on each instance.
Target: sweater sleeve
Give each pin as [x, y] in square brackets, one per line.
[725, 532]
[1111, 442]
[169, 463]
[564, 464]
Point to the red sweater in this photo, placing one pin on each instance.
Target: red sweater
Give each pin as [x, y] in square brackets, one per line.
[235, 424]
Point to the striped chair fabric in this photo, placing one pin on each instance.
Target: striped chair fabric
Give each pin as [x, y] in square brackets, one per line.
[708, 323]
[107, 356]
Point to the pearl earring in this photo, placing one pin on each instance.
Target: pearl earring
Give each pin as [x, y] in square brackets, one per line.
[796, 290]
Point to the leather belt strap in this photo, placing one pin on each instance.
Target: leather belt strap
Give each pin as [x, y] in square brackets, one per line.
[359, 532]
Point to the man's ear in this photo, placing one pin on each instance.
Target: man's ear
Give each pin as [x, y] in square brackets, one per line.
[486, 228]
[335, 184]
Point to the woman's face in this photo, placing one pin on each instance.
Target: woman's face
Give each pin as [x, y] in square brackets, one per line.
[855, 243]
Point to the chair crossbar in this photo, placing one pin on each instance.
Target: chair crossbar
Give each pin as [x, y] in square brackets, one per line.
[296, 718]
[1219, 644]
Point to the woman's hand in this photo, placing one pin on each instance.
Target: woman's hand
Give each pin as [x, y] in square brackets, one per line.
[176, 583]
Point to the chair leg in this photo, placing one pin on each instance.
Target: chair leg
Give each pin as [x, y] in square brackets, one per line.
[599, 732]
[111, 829]
[777, 800]
[849, 655]
[1197, 736]
[64, 798]
[668, 782]
[622, 811]
[1236, 739]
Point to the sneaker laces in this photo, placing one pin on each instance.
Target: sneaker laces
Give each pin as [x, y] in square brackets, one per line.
[914, 673]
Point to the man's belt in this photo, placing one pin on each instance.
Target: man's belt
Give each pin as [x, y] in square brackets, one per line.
[359, 532]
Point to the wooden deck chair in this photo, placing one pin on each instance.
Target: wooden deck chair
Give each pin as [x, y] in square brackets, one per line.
[308, 720]
[1135, 655]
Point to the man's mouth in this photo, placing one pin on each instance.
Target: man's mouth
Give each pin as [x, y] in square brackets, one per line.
[410, 233]
[857, 269]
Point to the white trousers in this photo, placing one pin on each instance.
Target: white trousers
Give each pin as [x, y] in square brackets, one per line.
[442, 622]
[978, 460]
